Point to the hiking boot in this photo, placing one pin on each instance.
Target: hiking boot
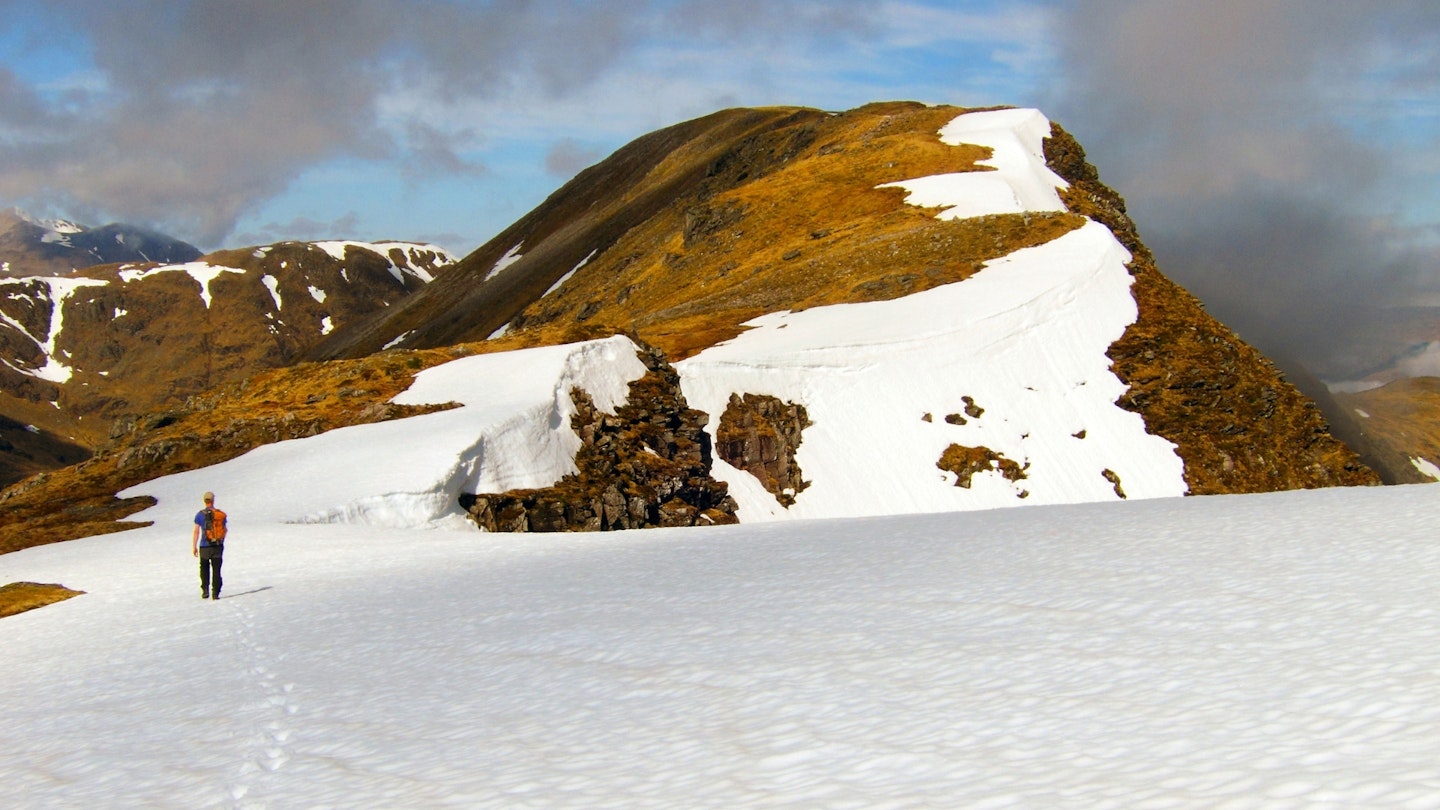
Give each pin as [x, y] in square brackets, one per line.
[204, 595]
[215, 595]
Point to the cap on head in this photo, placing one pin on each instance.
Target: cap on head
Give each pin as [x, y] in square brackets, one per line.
[209, 497]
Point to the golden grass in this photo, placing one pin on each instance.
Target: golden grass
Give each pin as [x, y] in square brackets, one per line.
[965, 462]
[18, 597]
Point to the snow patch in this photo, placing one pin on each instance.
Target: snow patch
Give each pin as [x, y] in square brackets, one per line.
[203, 273]
[410, 250]
[1426, 467]
[273, 285]
[59, 290]
[1020, 181]
[561, 282]
[1265, 651]
[318, 294]
[326, 325]
[511, 256]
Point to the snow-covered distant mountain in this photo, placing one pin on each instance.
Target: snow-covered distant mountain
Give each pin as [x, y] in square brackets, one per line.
[30, 246]
[77, 351]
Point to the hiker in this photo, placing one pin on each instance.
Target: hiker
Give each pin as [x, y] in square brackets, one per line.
[207, 542]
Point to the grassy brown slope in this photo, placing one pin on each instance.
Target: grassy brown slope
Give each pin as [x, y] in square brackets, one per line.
[1236, 422]
[588, 213]
[788, 218]
[1401, 421]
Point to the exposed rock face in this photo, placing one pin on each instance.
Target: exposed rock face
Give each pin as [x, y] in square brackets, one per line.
[760, 434]
[648, 465]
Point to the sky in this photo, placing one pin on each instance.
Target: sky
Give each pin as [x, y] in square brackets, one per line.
[1280, 157]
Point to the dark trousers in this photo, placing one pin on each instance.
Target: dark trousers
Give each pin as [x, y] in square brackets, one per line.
[211, 558]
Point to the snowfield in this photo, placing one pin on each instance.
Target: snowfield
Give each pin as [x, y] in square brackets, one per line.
[1024, 339]
[1278, 651]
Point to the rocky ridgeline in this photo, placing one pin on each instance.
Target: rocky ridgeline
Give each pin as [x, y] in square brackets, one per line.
[647, 465]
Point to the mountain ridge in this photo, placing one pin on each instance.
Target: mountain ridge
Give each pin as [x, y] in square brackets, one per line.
[78, 352]
[745, 214]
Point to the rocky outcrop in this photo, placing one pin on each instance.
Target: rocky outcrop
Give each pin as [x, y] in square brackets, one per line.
[760, 434]
[965, 462]
[647, 465]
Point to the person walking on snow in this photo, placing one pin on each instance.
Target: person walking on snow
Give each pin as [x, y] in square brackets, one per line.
[207, 542]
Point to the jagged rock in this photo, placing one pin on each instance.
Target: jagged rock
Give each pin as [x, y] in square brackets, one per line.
[759, 434]
[647, 465]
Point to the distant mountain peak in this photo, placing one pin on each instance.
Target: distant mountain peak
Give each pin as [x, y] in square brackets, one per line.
[33, 246]
[59, 227]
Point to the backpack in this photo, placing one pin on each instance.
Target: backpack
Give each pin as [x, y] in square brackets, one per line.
[214, 526]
